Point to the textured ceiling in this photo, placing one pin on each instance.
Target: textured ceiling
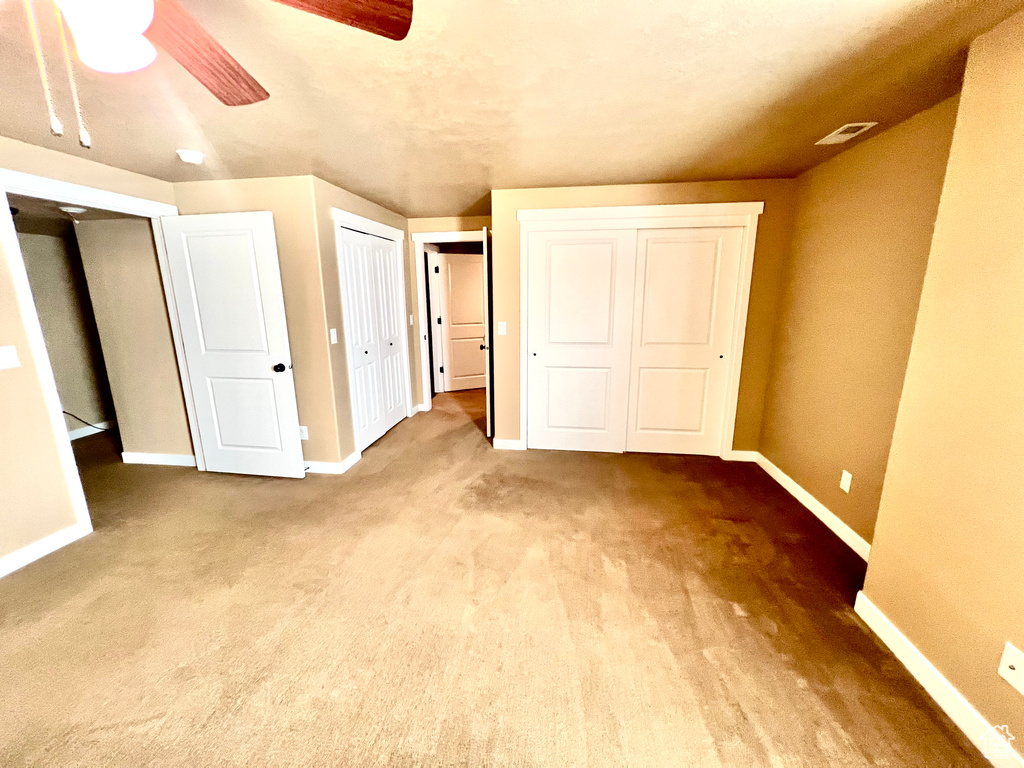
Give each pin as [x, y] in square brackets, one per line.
[490, 94]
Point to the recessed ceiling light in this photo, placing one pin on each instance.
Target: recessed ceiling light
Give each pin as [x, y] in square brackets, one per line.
[191, 156]
[847, 132]
[73, 210]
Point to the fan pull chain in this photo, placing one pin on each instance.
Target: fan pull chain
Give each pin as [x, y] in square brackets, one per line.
[83, 135]
[56, 127]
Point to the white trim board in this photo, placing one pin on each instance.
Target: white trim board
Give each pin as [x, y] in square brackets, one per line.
[853, 540]
[40, 187]
[367, 226]
[333, 467]
[95, 429]
[945, 694]
[502, 444]
[159, 459]
[640, 211]
[19, 558]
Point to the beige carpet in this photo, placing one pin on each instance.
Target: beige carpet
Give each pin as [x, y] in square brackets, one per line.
[447, 604]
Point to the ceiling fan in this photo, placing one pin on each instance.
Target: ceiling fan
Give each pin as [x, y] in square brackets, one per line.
[118, 36]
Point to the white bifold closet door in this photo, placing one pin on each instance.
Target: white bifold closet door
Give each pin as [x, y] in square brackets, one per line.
[373, 303]
[629, 338]
[580, 329]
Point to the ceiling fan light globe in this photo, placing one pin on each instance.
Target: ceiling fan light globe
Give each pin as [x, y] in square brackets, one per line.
[108, 33]
[116, 55]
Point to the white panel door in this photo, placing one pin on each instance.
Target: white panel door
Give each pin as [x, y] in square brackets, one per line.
[388, 274]
[359, 305]
[464, 315]
[580, 313]
[685, 305]
[227, 286]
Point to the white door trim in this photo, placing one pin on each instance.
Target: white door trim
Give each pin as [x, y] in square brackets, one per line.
[639, 212]
[369, 226]
[16, 182]
[646, 217]
[179, 345]
[420, 239]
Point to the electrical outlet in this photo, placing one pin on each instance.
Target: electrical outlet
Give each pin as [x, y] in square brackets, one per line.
[1011, 667]
[845, 480]
[334, 335]
[9, 358]
[304, 433]
[502, 328]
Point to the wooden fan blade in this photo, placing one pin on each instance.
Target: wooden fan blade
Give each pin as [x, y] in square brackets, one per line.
[389, 18]
[176, 31]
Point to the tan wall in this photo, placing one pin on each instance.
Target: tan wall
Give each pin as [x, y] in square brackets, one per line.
[26, 158]
[61, 299]
[861, 237]
[290, 199]
[35, 501]
[946, 562]
[416, 226]
[327, 196]
[128, 302]
[772, 247]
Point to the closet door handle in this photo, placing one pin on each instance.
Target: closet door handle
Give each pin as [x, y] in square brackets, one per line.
[279, 368]
[483, 346]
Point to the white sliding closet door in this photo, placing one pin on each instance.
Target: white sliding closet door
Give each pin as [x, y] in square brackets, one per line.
[373, 303]
[685, 305]
[579, 333]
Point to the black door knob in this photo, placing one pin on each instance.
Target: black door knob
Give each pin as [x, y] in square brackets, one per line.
[366, 351]
[279, 368]
[483, 346]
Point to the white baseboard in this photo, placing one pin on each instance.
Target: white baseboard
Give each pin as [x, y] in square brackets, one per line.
[509, 445]
[421, 408]
[30, 553]
[741, 455]
[853, 540]
[75, 434]
[333, 467]
[162, 459]
[945, 694]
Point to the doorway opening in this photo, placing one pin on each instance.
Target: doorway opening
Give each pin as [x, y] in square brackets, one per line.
[456, 296]
[66, 255]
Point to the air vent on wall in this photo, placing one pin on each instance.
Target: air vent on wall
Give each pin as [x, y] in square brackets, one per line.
[847, 132]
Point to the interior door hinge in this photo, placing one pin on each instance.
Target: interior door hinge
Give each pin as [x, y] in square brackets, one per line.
[437, 270]
[439, 321]
[442, 369]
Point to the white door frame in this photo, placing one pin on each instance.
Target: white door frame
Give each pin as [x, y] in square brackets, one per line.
[687, 215]
[419, 240]
[40, 187]
[371, 227]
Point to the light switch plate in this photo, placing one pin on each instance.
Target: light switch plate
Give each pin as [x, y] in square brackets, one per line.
[334, 335]
[1011, 667]
[304, 433]
[9, 358]
[502, 329]
[844, 481]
